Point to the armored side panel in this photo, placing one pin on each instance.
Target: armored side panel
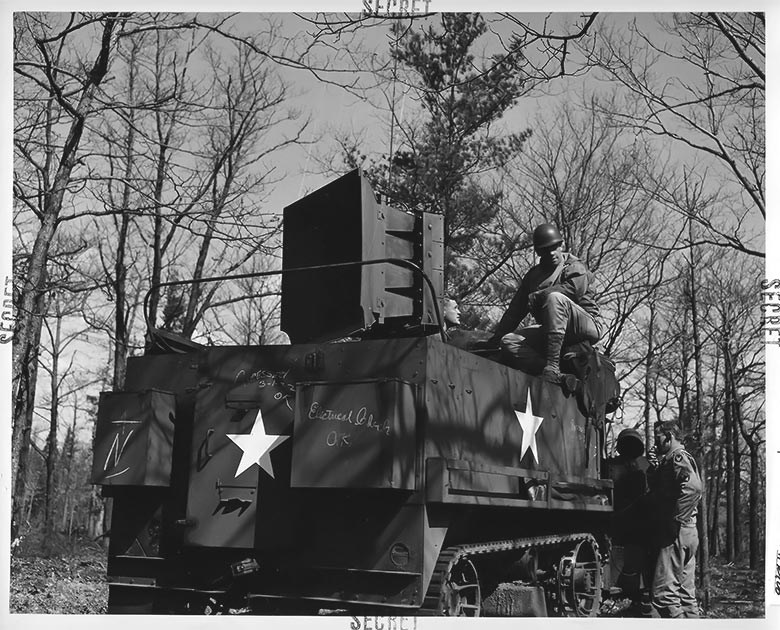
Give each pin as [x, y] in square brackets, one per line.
[306, 457]
[497, 436]
[356, 434]
[342, 222]
[276, 418]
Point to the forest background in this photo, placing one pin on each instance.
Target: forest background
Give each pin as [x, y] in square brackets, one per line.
[150, 148]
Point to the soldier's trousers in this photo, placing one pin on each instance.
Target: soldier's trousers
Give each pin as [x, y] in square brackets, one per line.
[559, 314]
[674, 589]
[526, 349]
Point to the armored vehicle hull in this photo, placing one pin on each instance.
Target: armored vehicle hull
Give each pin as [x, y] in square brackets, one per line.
[398, 474]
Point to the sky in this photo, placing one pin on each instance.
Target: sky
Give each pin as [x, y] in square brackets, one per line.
[340, 111]
[337, 107]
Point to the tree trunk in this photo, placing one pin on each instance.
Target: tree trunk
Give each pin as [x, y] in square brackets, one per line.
[755, 505]
[163, 143]
[27, 336]
[737, 488]
[121, 316]
[736, 459]
[24, 404]
[51, 440]
[699, 428]
[30, 501]
[683, 400]
[68, 454]
[756, 511]
[715, 463]
[157, 247]
[729, 444]
[649, 376]
[715, 505]
[191, 318]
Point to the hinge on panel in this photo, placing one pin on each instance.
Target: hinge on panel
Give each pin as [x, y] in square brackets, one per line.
[315, 361]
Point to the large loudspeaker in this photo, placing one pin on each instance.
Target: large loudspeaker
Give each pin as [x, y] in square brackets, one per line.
[343, 222]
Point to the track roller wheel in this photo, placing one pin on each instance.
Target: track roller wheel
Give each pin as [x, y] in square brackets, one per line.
[454, 590]
[579, 580]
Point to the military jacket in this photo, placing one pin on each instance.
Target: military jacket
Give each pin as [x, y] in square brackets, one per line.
[574, 282]
[676, 486]
[630, 519]
[465, 339]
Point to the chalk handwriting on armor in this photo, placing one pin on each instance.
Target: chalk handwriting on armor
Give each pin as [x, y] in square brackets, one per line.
[117, 449]
[360, 417]
[266, 378]
[335, 438]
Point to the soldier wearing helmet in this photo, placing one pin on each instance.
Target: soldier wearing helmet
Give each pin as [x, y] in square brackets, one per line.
[631, 449]
[558, 293]
[630, 529]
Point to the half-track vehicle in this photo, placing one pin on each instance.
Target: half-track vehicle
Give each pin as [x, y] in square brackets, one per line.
[368, 466]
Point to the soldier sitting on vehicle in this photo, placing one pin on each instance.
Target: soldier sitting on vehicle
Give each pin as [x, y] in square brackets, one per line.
[558, 293]
[454, 334]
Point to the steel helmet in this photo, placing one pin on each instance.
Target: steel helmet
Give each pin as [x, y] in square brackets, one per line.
[629, 443]
[546, 235]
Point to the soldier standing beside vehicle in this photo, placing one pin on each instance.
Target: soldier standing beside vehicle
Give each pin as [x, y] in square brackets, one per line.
[675, 491]
[630, 529]
[558, 293]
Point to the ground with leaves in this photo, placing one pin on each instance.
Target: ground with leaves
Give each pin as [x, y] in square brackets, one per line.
[75, 584]
[64, 584]
[736, 592]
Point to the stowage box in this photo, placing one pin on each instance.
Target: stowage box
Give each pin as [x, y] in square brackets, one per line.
[134, 439]
[354, 435]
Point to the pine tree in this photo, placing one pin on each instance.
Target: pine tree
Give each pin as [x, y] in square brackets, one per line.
[439, 167]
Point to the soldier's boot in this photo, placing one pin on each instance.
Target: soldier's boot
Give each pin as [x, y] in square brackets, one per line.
[552, 371]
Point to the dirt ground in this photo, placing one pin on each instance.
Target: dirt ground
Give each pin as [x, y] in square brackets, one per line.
[75, 584]
[72, 584]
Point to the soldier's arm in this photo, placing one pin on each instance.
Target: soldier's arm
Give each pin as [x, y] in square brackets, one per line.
[688, 487]
[515, 312]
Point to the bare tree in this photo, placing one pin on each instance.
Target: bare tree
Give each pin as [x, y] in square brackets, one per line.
[66, 93]
[78, 138]
[245, 131]
[250, 316]
[735, 328]
[55, 349]
[712, 106]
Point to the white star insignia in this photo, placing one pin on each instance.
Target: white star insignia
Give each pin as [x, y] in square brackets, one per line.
[530, 424]
[256, 446]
